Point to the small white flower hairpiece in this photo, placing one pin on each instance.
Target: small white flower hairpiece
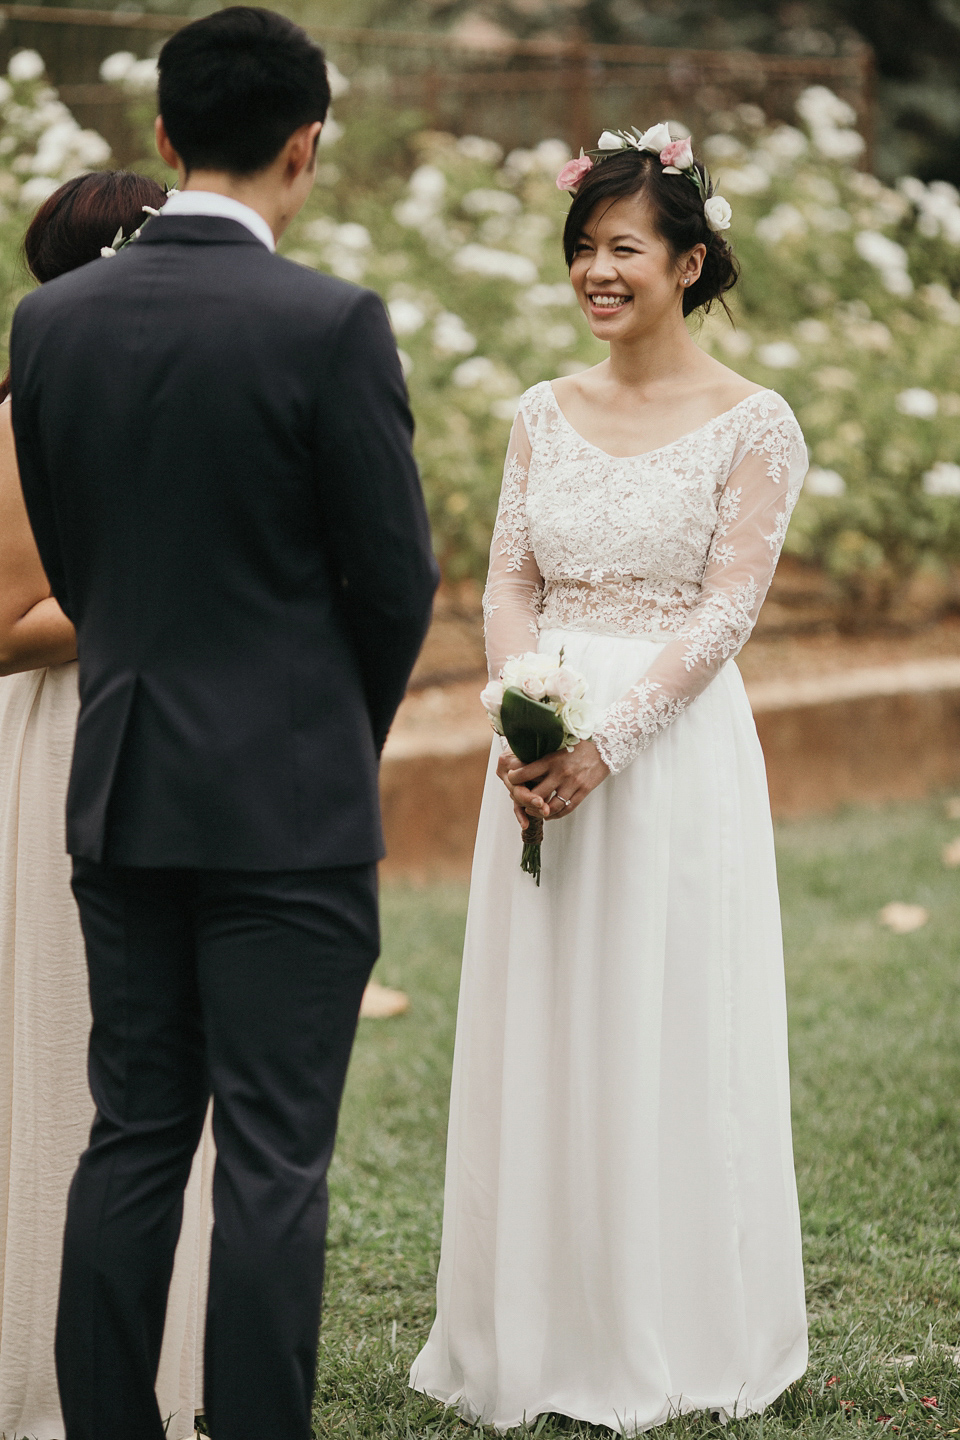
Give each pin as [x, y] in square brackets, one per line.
[118, 243]
[676, 157]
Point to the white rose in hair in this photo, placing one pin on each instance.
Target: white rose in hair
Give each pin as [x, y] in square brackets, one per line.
[657, 138]
[578, 718]
[718, 213]
[609, 141]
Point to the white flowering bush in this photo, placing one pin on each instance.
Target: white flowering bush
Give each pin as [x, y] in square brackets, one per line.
[41, 145]
[465, 249]
[848, 304]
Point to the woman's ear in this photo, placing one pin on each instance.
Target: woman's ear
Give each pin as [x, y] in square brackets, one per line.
[692, 265]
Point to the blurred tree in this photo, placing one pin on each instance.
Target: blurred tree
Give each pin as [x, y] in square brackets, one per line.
[916, 43]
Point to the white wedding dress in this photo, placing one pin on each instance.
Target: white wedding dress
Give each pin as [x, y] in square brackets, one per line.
[621, 1238]
[45, 1105]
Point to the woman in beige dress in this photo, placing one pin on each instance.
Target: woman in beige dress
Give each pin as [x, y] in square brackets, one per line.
[45, 1105]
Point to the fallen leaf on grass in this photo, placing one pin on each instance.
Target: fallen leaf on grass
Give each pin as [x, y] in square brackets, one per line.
[930, 1401]
[380, 1003]
[831, 1381]
[901, 919]
[950, 854]
[952, 1352]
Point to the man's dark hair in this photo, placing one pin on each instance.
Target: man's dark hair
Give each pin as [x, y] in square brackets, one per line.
[235, 85]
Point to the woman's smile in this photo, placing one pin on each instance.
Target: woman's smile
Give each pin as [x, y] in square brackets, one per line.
[602, 303]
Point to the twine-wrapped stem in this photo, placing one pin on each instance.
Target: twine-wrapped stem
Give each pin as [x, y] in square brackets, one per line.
[532, 837]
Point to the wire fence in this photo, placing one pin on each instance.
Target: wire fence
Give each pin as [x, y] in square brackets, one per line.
[513, 91]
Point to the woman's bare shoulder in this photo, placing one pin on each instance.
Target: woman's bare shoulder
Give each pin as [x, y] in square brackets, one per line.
[581, 384]
[728, 387]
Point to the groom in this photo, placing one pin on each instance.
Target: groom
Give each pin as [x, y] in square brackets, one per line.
[215, 452]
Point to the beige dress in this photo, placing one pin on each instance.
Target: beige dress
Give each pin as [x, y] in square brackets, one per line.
[45, 1105]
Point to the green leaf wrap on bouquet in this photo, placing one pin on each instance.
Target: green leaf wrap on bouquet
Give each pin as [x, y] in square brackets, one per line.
[532, 730]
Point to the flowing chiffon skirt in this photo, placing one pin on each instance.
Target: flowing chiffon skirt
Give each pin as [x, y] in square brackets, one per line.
[621, 1238]
[45, 1105]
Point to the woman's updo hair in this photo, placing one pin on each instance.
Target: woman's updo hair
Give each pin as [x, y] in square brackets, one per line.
[77, 221]
[80, 219]
[677, 208]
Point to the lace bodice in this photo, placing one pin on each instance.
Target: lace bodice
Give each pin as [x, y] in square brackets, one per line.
[680, 543]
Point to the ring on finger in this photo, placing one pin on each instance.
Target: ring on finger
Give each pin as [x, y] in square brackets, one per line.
[563, 802]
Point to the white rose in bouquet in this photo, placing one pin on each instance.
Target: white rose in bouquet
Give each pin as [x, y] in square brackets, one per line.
[539, 706]
[578, 717]
[565, 684]
[491, 698]
[519, 667]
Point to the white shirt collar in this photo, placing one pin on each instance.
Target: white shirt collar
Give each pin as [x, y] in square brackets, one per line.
[206, 202]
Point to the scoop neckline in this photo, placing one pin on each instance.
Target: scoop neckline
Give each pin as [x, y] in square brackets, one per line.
[645, 454]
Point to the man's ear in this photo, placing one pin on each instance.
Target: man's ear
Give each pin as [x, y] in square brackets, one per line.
[302, 149]
[166, 151]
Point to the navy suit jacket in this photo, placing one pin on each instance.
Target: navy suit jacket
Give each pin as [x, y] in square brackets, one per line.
[215, 451]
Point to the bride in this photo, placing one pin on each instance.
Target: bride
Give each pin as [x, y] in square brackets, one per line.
[621, 1238]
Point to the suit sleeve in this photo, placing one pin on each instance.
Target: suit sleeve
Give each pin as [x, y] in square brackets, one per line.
[37, 493]
[378, 532]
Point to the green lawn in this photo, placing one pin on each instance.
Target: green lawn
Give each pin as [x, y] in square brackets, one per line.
[876, 1084]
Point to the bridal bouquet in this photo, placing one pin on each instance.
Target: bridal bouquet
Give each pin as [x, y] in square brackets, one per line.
[539, 706]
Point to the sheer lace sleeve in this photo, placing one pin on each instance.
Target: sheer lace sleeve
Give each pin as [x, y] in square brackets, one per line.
[753, 512]
[514, 590]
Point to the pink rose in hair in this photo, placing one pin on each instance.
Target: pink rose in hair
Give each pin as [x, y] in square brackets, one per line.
[573, 172]
[678, 154]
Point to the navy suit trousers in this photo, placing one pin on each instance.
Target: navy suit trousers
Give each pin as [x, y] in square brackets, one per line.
[245, 985]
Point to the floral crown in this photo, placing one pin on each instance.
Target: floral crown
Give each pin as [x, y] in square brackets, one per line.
[676, 157]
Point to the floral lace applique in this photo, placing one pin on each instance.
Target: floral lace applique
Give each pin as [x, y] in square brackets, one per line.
[722, 627]
[679, 542]
[604, 608]
[645, 709]
[511, 535]
[779, 532]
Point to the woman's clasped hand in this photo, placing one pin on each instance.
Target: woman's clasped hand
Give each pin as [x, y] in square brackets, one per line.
[554, 786]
